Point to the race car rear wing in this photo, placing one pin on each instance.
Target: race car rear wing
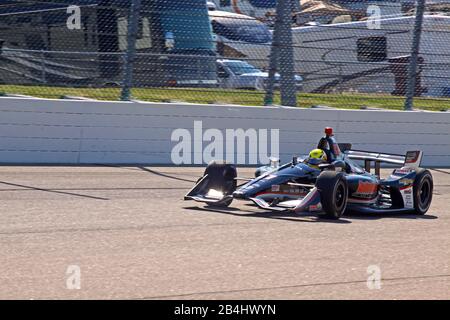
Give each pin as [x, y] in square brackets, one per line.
[412, 159]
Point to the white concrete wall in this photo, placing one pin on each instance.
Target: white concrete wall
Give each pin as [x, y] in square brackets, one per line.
[89, 132]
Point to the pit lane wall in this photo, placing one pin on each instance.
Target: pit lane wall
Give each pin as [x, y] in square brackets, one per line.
[40, 131]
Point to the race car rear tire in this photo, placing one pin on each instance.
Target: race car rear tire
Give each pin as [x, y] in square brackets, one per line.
[422, 191]
[333, 191]
[222, 177]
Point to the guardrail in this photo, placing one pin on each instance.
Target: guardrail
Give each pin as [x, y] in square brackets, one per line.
[41, 131]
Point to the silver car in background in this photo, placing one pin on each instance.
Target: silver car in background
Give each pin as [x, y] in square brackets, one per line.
[238, 74]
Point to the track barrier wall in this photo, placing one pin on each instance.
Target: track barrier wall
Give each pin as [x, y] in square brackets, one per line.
[41, 131]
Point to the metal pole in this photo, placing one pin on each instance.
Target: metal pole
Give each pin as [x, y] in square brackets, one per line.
[412, 72]
[43, 67]
[133, 23]
[274, 53]
[287, 75]
[282, 57]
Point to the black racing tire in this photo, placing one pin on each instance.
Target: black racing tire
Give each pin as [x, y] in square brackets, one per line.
[422, 191]
[221, 176]
[333, 191]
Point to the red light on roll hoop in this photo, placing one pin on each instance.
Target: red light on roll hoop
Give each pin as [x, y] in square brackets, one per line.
[329, 131]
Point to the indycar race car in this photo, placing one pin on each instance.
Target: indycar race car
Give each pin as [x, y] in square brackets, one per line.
[330, 189]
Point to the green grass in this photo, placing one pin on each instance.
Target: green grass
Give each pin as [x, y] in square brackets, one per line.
[239, 97]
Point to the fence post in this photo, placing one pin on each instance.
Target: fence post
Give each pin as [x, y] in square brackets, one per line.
[274, 55]
[412, 72]
[282, 57]
[43, 67]
[286, 63]
[133, 23]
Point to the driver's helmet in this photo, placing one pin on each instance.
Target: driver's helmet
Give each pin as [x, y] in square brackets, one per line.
[316, 157]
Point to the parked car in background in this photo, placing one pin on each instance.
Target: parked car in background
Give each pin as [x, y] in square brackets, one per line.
[238, 74]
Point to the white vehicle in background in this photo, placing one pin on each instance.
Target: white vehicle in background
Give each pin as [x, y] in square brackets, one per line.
[238, 74]
[239, 36]
[352, 57]
[259, 9]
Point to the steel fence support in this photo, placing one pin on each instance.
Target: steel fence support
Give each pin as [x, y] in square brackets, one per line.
[274, 50]
[412, 72]
[43, 68]
[287, 75]
[133, 24]
[282, 57]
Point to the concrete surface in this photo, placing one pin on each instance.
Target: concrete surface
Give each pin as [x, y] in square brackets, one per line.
[133, 237]
[46, 131]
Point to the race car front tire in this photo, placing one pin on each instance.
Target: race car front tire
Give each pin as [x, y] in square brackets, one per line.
[333, 191]
[422, 191]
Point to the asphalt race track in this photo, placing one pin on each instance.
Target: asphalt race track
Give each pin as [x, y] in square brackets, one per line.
[132, 237]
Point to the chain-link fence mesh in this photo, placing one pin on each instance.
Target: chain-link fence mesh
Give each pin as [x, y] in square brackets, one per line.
[336, 53]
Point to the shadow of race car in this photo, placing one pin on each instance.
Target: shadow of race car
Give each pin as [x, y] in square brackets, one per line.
[330, 189]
